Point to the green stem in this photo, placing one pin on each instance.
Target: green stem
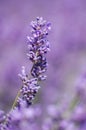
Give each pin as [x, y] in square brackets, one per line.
[75, 101]
[15, 101]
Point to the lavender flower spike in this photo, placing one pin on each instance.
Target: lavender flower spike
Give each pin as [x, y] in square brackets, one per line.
[38, 45]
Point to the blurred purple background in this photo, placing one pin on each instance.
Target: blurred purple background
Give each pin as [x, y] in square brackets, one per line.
[67, 58]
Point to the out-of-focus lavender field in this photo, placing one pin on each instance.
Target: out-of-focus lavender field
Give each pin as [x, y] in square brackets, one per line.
[67, 58]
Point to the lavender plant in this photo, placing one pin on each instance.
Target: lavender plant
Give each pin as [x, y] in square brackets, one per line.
[38, 47]
[22, 114]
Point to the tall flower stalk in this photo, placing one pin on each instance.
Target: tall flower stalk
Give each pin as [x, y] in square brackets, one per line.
[38, 46]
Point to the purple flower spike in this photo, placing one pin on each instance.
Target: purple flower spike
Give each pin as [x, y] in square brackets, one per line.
[22, 116]
[38, 47]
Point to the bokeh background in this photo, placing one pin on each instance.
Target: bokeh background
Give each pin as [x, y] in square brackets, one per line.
[67, 58]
